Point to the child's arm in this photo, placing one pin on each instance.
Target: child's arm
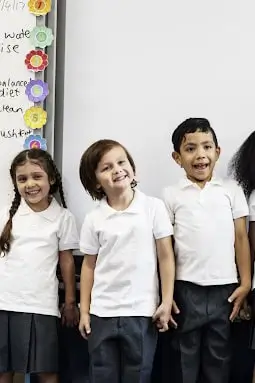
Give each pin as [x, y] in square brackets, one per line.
[66, 263]
[252, 239]
[243, 261]
[86, 284]
[167, 274]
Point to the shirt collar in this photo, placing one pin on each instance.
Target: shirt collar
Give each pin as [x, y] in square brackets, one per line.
[50, 213]
[185, 182]
[133, 208]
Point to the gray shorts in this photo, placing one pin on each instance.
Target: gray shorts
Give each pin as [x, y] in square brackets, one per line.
[121, 349]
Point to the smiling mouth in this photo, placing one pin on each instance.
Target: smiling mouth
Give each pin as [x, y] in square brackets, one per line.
[121, 178]
[33, 192]
[201, 166]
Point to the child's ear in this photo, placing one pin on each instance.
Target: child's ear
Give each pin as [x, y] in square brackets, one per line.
[218, 151]
[177, 157]
[52, 182]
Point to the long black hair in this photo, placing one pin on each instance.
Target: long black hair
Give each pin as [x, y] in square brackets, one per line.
[242, 165]
[43, 159]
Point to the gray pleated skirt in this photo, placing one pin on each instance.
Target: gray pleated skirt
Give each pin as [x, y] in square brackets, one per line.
[28, 343]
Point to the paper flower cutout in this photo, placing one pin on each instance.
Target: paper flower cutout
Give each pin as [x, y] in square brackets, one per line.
[39, 7]
[41, 37]
[35, 142]
[36, 60]
[35, 117]
[37, 90]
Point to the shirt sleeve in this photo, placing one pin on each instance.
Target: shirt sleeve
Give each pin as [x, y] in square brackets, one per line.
[89, 241]
[239, 202]
[162, 226]
[252, 206]
[166, 196]
[68, 234]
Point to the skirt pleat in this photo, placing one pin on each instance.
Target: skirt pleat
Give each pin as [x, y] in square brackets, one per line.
[28, 343]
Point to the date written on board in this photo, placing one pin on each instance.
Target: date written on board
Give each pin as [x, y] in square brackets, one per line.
[13, 133]
[12, 5]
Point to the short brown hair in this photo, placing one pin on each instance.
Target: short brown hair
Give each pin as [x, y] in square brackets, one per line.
[89, 162]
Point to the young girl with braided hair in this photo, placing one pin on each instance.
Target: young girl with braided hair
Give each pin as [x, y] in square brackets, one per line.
[36, 234]
[242, 168]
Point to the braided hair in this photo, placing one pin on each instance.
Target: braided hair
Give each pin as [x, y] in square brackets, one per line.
[45, 161]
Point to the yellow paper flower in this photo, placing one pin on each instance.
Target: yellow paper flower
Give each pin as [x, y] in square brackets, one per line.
[39, 7]
[35, 117]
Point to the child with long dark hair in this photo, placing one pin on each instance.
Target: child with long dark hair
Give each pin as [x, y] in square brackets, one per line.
[242, 168]
[36, 234]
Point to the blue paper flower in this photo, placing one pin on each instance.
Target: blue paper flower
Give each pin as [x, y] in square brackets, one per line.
[35, 142]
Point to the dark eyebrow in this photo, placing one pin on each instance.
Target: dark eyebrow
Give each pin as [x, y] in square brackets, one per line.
[194, 144]
[118, 159]
[207, 142]
[38, 173]
[190, 144]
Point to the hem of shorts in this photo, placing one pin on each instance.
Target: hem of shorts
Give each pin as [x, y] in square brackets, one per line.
[29, 310]
[211, 282]
[21, 371]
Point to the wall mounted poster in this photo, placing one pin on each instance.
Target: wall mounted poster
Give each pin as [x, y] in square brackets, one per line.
[15, 27]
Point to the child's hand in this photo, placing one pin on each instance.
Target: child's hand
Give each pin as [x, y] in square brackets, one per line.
[237, 297]
[70, 315]
[163, 316]
[245, 311]
[84, 325]
[175, 308]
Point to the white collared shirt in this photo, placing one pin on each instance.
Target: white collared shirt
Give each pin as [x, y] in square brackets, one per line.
[204, 233]
[125, 277]
[252, 219]
[28, 281]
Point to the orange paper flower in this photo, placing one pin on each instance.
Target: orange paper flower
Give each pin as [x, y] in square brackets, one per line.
[39, 7]
[36, 60]
[35, 117]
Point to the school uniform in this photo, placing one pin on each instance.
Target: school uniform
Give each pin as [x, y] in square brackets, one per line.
[206, 275]
[29, 287]
[125, 291]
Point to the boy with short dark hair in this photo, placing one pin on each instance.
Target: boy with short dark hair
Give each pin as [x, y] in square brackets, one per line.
[209, 219]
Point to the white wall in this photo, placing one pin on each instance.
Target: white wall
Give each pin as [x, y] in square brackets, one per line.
[135, 69]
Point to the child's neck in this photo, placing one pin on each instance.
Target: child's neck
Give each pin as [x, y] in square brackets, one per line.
[121, 201]
[200, 184]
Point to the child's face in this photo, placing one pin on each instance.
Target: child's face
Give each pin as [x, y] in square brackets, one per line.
[114, 172]
[33, 185]
[198, 155]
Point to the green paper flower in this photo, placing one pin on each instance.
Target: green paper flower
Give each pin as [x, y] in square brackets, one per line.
[41, 37]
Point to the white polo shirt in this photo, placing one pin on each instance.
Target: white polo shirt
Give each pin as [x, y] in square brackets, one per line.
[28, 281]
[252, 219]
[204, 233]
[125, 278]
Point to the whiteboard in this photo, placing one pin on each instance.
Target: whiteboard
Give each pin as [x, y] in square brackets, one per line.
[15, 24]
[135, 69]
